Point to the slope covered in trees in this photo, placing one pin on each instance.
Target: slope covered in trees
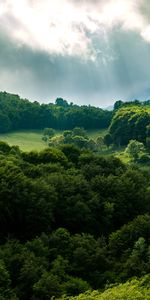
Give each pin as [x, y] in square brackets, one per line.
[70, 221]
[17, 114]
[130, 122]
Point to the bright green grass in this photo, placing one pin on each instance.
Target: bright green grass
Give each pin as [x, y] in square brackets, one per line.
[26, 140]
[117, 152]
[29, 140]
[32, 140]
[94, 134]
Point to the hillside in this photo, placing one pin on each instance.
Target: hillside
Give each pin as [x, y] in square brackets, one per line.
[71, 221]
[21, 114]
[74, 203]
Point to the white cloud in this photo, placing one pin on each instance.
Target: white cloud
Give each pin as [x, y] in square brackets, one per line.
[67, 27]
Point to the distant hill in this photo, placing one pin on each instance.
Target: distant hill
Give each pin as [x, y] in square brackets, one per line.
[18, 114]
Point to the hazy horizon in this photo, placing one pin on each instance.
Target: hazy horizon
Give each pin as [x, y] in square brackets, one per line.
[87, 52]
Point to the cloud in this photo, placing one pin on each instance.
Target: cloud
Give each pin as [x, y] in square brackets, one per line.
[53, 27]
[87, 51]
[39, 76]
[67, 27]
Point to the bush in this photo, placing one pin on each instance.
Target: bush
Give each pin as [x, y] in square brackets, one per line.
[131, 290]
[144, 158]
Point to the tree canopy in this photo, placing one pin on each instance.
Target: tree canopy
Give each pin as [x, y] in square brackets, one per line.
[130, 123]
[17, 114]
[70, 221]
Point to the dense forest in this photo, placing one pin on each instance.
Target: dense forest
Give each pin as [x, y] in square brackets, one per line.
[71, 221]
[127, 121]
[75, 223]
[130, 123]
[17, 114]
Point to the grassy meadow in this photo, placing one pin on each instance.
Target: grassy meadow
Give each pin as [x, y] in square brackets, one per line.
[94, 134]
[29, 140]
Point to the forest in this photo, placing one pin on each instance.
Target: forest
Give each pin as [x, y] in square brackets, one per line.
[17, 114]
[75, 224]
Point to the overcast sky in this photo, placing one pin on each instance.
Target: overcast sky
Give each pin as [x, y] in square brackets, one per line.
[86, 51]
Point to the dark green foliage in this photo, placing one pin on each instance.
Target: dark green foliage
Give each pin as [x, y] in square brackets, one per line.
[17, 114]
[118, 104]
[61, 102]
[148, 131]
[5, 123]
[75, 286]
[46, 156]
[48, 132]
[144, 158]
[130, 246]
[71, 151]
[70, 221]
[47, 286]
[4, 147]
[108, 140]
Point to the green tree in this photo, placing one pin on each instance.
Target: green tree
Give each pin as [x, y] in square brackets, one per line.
[4, 279]
[4, 147]
[61, 102]
[47, 287]
[72, 152]
[5, 123]
[118, 104]
[74, 286]
[79, 131]
[49, 132]
[100, 142]
[135, 149]
[107, 140]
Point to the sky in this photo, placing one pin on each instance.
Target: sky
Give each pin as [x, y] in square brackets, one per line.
[85, 51]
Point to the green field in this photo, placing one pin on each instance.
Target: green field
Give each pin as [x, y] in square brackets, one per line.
[32, 139]
[94, 134]
[26, 140]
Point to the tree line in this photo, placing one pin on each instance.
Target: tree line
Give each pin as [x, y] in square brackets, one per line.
[18, 114]
[127, 121]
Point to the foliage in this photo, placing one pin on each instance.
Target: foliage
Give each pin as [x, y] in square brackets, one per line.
[135, 149]
[49, 132]
[130, 122]
[71, 221]
[19, 114]
[107, 140]
[77, 137]
[131, 290]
